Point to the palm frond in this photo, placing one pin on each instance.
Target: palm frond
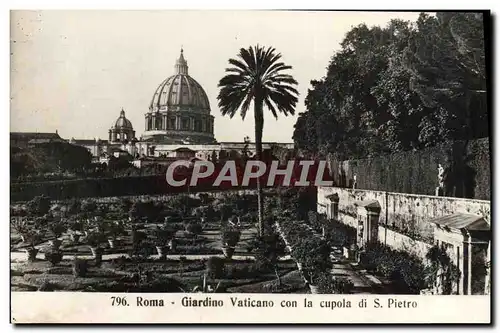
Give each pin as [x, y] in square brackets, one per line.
[239, 64]
[271, 107]
[257, 73]
[246, 105]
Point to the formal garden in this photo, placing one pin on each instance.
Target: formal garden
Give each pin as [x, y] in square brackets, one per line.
[188, 243]
[203, 243]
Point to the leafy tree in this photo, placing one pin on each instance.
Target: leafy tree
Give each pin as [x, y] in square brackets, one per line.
[120, 163]
[447, 62]
[269, 248]
[148, 210]
[52, 157]
[405, 86]
[257, 76]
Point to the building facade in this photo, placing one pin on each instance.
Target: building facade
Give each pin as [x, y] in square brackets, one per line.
[179, 111]
[178, 125]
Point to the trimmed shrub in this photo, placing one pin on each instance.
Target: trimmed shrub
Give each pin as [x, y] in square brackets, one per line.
[80, 267]
[341, 234]
[54, 257]
[415, 172]
[396, 265]
[246, 271]
[215, 267]
[327, 284]
[142, 250]
[47, 286]
[39, 205]
[230, 237]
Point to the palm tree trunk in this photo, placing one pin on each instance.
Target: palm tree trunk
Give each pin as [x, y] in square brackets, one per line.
[259, 125]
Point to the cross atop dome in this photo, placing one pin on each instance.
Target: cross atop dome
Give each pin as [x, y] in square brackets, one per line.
[181, 66]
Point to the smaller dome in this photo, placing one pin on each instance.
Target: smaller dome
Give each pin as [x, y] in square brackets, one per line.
[123, 122]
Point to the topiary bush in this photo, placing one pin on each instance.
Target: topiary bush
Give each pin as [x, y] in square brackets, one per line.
[230, 237]
[80, 267]
[193, 229]
[314, 255]
[54, 257]
[216, 267]
[38, 206]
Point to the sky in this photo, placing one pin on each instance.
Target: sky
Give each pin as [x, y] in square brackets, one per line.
[73, 71]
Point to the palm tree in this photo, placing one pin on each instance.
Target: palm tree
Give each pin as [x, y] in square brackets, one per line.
[257, 76]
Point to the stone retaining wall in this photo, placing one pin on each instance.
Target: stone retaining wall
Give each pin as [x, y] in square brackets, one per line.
[404, 218]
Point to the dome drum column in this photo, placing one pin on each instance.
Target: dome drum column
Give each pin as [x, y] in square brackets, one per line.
[177, 123]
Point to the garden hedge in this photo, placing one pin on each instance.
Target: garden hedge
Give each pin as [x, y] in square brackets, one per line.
[105, 187]
[416, 172]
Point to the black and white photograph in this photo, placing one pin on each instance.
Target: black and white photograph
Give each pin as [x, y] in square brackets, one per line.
[265, 153]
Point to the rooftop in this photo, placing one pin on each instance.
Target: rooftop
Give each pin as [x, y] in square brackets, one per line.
[461, 221]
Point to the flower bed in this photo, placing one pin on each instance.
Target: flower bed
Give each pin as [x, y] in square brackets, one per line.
[396, 265]
[308, 249]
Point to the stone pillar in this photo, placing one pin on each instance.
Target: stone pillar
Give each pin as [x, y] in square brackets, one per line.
[146, 123]
[110, 137]
[164, 122]
[368, 217]
[114, 135]
[332, 206]
[487, 282]
[466, 268]
[177, 123]
[466, 243]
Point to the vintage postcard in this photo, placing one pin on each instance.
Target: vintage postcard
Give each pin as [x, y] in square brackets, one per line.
[199, 166]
